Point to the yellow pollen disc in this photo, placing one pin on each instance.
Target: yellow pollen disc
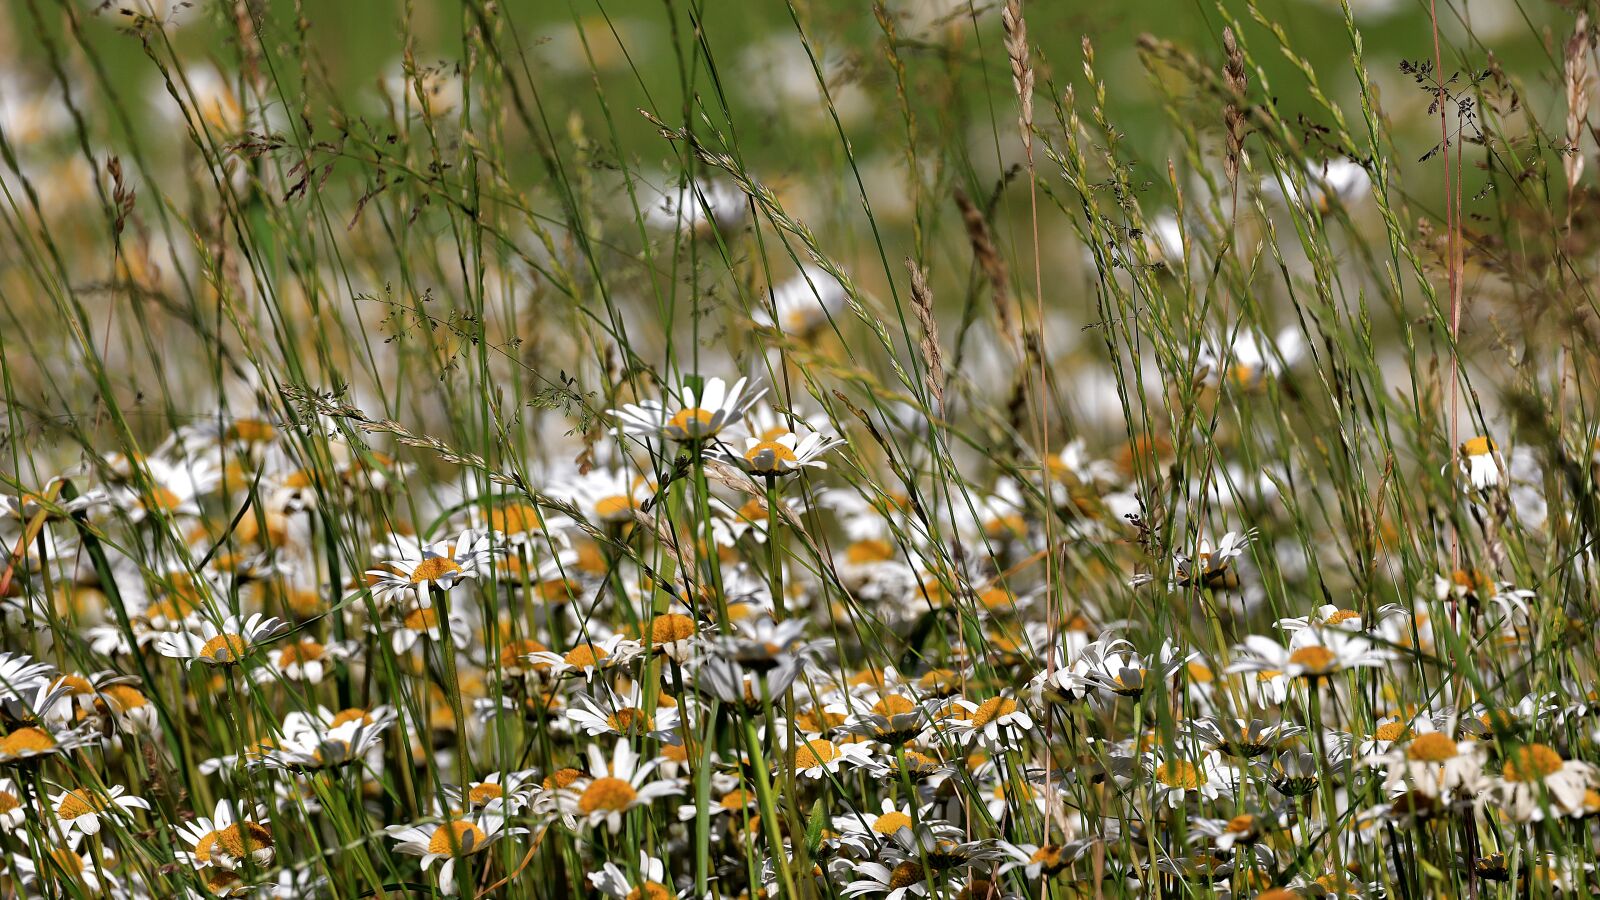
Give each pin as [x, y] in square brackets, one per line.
[1315, 660]
[669, 628]
[515, 519]
[563, 778]
[997, 598]
[1390, 731]
[1180, 774]
[483, 792]
[1343, 615]
[693, 420]
[251, 431]
[456, 839]
[733, 801]
[224, 648]
[893, 705]
[780, 453]
[891, 822]
[232, 840]
[353, 714]
[607, 794]
[303, 652]
[79, 684]
[511, 656]
[162, 498]
[8, 802]
[79, 803]
[905, 875]
[870, 550]
[1532, 762]
[585, 656]
[1200, 672]
[66, 862]
[992, 709]
[422, 619]
[614, 508]
[1431, 747]
[1048, 856]
[1477, 446]
[650, 890]
[1241, 824]
[433, 568]
[626, 718]
[815, 753]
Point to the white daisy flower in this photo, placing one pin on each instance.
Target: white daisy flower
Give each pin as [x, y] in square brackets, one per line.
[228, 645]
[616, 786]
[81, 809]
[439, 566]
[703, 412]
[452, 840]
[226, 839]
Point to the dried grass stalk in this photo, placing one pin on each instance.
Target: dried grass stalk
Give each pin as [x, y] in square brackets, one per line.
[922, 305]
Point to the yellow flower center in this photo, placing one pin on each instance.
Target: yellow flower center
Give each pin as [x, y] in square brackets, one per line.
[8, 802]
[1343, 615]
[893, 705]
[694, 421]
[614, 508]
[563, 778]
[870, 550]
[891, 822]
[733, 801]
[627, 718]
[79, 803]
[422, 619]
[1390, 731]
[433, 568]
[815, 753]
[1432, 747]
[780, 453]
[353, 714]
[905, 875]
[224, 648]
[162, 498]
[483, 792]
[585, 656]
[1200, 672]
[608, 794]
[1180, 774]
[992, 709]
[456, 838]
[1531, 762]
[232, 841]
[1241, 824]
[1314, 660]
[650, 890]
[516, 518]
[303, 652]
[1477, 446]
[512, 654]
[671, 627]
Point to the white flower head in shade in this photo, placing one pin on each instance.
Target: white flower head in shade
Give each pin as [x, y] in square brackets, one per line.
[785, 453]
[705, 409]
[228, 645]
[1481, 463]
[452, 840]
[605, 496]
[804, 304]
